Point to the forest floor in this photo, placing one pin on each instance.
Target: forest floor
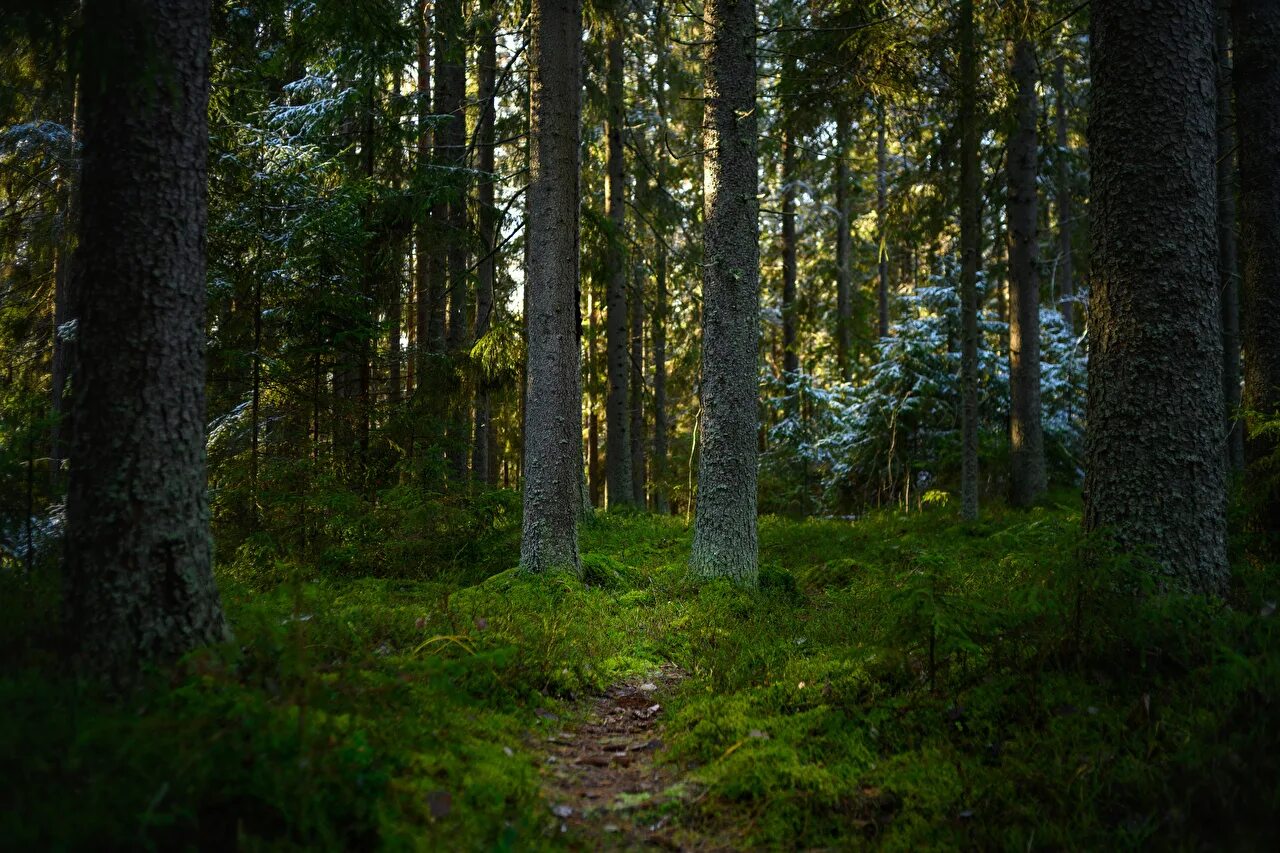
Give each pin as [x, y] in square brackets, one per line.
[902, 681]
[601, 780]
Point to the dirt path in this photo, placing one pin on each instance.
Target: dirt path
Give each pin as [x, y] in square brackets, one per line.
[600, 780]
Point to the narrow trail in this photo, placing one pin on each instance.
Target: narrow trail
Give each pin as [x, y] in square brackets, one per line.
[600, 779]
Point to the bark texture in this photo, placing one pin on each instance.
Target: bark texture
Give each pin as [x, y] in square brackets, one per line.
[139, 581]
[724, 539]
[1153, 450]
[970, 235]
[553, 399]
[1256, 32]
[1026, 436]
[617, 426]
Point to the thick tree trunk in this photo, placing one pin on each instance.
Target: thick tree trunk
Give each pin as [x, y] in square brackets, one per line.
[1026, 437]
[970, 235]
[482, 465]
[882, 216]
[724, 541]
[790, 352]
[1153, 451]
[1065, 275]
[844, 254]
[617, 452]
[553, 402]
[1228, 271]
[138, 574]
[1256, 34]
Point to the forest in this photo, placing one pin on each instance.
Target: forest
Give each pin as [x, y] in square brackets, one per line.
[697, 425]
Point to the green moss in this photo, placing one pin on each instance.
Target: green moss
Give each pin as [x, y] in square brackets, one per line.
[903, 680]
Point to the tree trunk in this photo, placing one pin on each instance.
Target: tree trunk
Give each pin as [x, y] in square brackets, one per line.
[1062, 196]
[970, 234]
[553, 403]
[1228, 271]
[724, 540]
[1026, 437]
[1256, 32]
[451, 144]
[659, 331]
[658, 325]
[424, 285]
[617, 453]
[482, 465]
[63, 341]
[595, 477]
[882, 216]
[637, 432]
[844, 254]
[1153, 451]
[790, 354]
[138, 573]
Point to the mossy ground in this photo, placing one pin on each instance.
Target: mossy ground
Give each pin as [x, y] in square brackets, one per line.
[900, 680]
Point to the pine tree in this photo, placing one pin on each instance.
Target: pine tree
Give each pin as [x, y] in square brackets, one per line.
[1153, 454]
[725, 540]
[1029, 480]
[138, 573]
[552, 423]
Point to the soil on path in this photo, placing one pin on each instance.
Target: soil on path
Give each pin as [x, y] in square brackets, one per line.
[601, 782]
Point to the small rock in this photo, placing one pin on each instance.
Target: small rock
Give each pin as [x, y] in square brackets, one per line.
[758, 735]
[649, 686]
[508, 751]
[562, 811]
[439, 803]
[611, 827]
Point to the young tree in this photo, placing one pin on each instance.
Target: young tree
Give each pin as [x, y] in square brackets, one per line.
[970, 235]
[1153, 451]
[139, 581]
[617, 454]
[482, 464]
[1228, 266]
[1026, 438]
[1256, 32]
[553, 407]
[1065, 273]
[882, 224]
[844, 251]
[724, 539]
[790, 310]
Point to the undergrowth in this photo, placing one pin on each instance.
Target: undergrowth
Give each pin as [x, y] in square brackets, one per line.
[901, 680]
